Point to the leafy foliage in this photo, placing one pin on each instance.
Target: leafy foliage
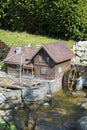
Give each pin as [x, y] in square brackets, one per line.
[6, 126]
[63, 19]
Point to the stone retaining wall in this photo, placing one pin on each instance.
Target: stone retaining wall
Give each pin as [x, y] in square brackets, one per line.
[13, 93]
[80, 50]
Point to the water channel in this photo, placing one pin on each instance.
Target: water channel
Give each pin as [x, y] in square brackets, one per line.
[61, 115]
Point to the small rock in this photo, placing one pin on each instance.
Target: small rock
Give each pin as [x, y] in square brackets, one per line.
[46, 104]
[83, 105]
[79, 53]
[79, 94]
[2, 98]
[82, 123]
[1, 112]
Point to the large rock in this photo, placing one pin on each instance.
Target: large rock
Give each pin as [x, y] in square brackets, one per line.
[6, 80]
[30, 90]
[35, 94]
[11, 98]
[84, 56]
[80, 50]
[82, 123]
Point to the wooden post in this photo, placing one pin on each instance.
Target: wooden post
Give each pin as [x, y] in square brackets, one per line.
[32, 71]
[20, 68]
[27, 71]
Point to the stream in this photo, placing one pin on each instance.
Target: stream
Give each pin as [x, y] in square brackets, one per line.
[61, 115]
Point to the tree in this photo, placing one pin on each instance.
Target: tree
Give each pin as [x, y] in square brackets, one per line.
[69, 19]
[60, 18]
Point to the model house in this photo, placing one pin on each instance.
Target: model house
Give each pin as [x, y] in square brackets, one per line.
[49, 61]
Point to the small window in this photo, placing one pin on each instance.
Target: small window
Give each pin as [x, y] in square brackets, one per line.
[44, 70]
[17, 66]
[59, 70]
[48, 59]
[40, 59]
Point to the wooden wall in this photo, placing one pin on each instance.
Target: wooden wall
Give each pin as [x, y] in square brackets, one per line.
[60, 69]
[12, 68]
[46, 68]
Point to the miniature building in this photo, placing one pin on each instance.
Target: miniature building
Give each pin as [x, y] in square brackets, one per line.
[49, 61]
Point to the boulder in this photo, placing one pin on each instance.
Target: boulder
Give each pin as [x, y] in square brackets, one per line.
[84, 56]
[80, 50]
[82, 123]
[35, 94]
[6, 82]
[30, 90]
[11, 98]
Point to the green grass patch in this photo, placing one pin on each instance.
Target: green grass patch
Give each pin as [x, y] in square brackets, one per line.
[16, 38]
[22, 38]
[67, 106]
[67, 102]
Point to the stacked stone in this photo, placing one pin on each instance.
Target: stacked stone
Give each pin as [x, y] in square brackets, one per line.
[80, 50]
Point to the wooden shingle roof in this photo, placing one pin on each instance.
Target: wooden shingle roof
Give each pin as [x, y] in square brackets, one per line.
[58, 51]
[26, 54]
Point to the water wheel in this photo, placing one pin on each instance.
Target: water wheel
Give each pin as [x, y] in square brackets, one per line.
[69, 79]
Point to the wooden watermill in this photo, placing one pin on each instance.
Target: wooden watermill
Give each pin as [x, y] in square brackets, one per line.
[70, 78]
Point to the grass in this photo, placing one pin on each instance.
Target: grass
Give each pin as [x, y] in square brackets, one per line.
[22, 38]
[65, 101]
[67, 106]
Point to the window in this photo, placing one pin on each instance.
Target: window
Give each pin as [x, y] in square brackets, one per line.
[59, 70]
[48, 59]
[44, 70]
[17, 66]
[40, 59]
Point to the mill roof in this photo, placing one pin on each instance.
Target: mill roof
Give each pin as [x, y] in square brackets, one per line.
[25, 55]
[58, 51]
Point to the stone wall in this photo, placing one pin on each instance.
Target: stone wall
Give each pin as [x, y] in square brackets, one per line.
[14, 93]
[80, 50]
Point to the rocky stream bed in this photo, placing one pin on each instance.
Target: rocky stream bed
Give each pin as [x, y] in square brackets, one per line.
[61, 112]
[66, 113]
